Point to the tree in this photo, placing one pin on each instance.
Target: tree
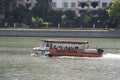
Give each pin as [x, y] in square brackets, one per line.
[54, 16]
[21, 15]
[86, 20]
[70, 14]
[1, 7]
[41, 9]
[70, 18]
[33, 20]
[114, 12]
[46, 24]
[7, 6]
[37, 21]
[5, 9]
[99, 17]
[63, 20]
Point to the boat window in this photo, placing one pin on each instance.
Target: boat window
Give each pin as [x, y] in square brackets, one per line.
[47, 45]
[50, 45]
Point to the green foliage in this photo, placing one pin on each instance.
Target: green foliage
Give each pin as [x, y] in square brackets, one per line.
[68, 18]
[41, 15]
[41, 9]
[99, 18]
[86, 20]
[37, 22]
[5, 6]
[40, 20]
[33, 20]
[114, 12]
[63, 16]
[70, 14]
[114, 9]
[63, 19]
[47, 24]
[21, 15]
[54, 16]
[1, 7]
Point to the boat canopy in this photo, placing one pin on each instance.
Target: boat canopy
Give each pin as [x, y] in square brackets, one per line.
[66, 42]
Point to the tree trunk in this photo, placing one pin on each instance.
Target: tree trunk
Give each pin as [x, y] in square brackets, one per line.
[118, 25]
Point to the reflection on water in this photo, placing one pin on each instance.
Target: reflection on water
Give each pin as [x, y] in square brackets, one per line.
[17, 64]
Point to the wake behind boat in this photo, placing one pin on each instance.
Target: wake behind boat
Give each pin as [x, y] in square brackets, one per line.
[67, 48]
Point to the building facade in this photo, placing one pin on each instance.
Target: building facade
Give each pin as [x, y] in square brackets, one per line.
[76, 5]
[80, 5]
[27, 3]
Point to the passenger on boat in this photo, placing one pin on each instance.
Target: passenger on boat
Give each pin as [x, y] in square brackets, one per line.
[60, 47]
[87, 46]
[54, 47]
[66, 47]
[76, 47]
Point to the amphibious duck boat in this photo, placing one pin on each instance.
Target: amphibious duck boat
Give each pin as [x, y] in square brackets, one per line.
[66, 48]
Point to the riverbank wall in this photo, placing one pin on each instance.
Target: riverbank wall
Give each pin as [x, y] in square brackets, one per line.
[57, 33]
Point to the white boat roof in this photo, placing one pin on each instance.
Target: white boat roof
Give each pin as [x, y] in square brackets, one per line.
[66, 41]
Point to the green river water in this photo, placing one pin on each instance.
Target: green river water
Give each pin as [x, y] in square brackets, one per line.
[16, 63]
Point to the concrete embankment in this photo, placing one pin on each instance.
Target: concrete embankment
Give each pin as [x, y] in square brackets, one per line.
[55, 33]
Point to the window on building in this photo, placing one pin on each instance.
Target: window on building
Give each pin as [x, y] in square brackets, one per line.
[83, 4]
[28, 5]
[94, 4]
[65, 4]
[54, 4]
[20, 5]
[73, 4]
[104, 4]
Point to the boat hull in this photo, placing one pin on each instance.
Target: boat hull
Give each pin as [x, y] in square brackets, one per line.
[78, 53]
